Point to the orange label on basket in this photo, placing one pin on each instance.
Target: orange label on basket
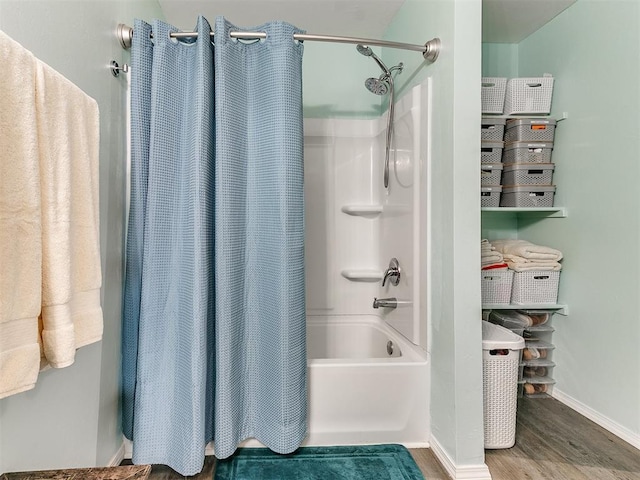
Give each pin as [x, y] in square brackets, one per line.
[538, 127]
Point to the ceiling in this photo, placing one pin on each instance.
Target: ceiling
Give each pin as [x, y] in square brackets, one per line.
[510, 21]
[503, 21]
[351, 18]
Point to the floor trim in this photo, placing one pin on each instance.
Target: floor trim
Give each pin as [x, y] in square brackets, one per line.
[117, 458]
[463, 472]
[618, 430]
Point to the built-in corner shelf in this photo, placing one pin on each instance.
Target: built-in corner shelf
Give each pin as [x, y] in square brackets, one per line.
[559, 308]
[550, 212]
[362, 210]
[362, 275]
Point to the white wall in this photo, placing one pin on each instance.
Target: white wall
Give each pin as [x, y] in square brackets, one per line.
[452, 284]
[71, 418]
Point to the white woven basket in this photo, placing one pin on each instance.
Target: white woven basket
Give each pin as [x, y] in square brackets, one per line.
[535, 287]
[500, 392]
[528, 95]
[492, 94]
[496, 285]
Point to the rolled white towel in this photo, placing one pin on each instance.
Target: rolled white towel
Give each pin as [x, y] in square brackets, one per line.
[527, 250]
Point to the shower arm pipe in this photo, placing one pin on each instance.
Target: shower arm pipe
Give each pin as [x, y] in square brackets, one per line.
[430, 50]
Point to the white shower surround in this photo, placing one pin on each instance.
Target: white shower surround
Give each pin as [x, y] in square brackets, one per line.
[360, 395]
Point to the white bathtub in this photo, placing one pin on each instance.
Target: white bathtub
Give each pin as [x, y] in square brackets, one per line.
[358, 392]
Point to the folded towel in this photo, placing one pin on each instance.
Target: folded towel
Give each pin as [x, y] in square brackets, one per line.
[521, 264]
[495, 266]
[20, 224]
[68, 134]
[527, 250]
[494, 257]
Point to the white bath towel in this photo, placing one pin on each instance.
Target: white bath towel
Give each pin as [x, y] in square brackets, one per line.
[495, 257]
[20, 224]
[521, 264]
[527, 250]
[68, 134]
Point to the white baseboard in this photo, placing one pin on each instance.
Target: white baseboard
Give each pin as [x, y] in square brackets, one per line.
[128, 447]
[618, 430]
[117, 458]
[459, 472]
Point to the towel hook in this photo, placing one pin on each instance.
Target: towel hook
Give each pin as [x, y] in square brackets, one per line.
[115, 68]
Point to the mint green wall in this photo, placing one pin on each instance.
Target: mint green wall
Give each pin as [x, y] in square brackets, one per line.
[499, 60]
[593, 50]
[454, 313]
[333, 76]
[71, 418]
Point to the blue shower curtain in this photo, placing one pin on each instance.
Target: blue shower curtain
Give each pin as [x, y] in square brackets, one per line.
[214, 314]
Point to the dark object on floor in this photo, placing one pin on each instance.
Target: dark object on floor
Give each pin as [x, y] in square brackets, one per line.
[133, 472]
[368, 462]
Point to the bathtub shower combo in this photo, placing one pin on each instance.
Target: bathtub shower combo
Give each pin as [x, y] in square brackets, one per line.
[367, 361]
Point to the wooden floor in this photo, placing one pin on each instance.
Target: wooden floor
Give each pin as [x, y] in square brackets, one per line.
[552, 442]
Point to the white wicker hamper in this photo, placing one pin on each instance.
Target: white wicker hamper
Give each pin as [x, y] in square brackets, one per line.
[500, 359]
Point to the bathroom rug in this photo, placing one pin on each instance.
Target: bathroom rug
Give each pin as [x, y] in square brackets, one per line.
[366, 462]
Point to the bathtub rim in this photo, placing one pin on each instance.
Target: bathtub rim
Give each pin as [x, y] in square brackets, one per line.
[411, 354]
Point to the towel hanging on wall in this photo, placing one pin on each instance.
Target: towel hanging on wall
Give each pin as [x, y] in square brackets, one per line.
[49, 219]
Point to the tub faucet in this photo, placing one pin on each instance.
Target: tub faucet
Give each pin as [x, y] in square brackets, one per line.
[385, 302]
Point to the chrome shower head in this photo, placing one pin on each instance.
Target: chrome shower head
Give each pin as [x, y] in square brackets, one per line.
[364, 50]
[378, 86]
[367, 52]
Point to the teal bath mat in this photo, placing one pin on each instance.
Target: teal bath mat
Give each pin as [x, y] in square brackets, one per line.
[369, 462]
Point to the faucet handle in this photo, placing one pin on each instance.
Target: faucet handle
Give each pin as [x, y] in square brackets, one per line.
[393, 272]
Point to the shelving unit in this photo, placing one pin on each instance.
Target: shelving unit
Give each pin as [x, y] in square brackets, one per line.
[535, 374]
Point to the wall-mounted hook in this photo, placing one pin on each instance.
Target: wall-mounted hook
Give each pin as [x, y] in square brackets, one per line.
[115, 68]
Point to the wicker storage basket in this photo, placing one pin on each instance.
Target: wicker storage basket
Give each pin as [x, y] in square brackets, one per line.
[491, 152]
[528, 173]
[492, 94]
[535, 287]
[490, 196]
[492, 129]
[527, 196]
[528, 152]
[496, 285]
[530, 129]
[528, 96]
[490, 173]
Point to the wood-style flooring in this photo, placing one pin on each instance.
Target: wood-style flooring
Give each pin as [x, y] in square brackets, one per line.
[553, 442]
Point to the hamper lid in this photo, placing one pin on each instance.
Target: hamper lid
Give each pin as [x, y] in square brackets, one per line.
[529, 188]
[542, 122]
[495, 337]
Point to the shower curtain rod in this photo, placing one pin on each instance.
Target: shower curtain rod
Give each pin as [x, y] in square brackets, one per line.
[430, 50]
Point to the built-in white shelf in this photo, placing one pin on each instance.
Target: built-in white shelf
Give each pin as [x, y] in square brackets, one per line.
[362, 210]
[558, 307]
[552, 212]
[362, 275]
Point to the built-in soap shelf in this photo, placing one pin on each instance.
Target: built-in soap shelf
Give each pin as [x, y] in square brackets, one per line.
[362, 275]
[362, 210]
